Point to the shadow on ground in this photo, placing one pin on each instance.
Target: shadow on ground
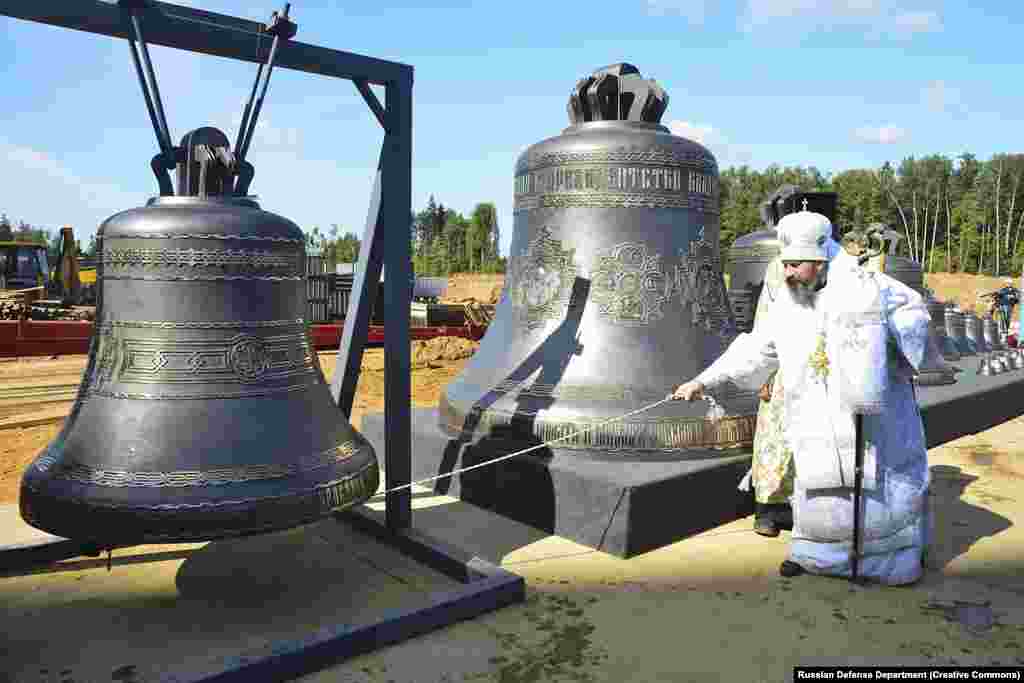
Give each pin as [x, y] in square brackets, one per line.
[957, 524]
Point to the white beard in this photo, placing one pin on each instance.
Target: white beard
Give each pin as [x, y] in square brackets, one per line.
[802, 295]
[805, 295]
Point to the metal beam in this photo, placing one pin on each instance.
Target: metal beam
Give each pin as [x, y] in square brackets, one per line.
[365, 286]
[396, 207]
[202, 16]
[371, 101]
[196, 31]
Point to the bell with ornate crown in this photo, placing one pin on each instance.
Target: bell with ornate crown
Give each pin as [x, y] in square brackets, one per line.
[614, 287]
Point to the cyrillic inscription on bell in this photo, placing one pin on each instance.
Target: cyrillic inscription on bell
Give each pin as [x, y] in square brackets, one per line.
[203, 411]
[614, 288]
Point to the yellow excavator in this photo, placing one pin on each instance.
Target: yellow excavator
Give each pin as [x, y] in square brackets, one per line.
[67, 281]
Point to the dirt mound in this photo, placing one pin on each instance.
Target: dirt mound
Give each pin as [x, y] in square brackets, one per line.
[436, 351]
[963, 289]
[478, 286]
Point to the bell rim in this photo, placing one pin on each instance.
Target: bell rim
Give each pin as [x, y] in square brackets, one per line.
[586, 126]
[217, 200]
[64, 515]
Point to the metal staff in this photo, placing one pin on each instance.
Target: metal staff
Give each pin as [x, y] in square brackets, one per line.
[858, 483]
[865, 245]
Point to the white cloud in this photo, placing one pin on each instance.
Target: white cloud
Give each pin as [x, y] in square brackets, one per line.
[41, 190]
[940, 97]
[877, 18]
[694, 11]
[880, 135]
[702, 133]
[726, 152]
[906, 24]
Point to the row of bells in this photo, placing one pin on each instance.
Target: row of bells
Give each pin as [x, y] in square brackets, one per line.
[204, 413]
[954, 333]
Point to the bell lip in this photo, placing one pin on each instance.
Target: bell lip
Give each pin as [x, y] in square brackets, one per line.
[91, 518]
[191, 200]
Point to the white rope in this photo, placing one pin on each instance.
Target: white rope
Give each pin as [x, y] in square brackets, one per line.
[715, 412]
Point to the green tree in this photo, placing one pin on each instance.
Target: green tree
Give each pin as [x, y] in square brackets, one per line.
[481, 245]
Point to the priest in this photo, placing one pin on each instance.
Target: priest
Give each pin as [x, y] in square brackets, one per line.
[847, 342]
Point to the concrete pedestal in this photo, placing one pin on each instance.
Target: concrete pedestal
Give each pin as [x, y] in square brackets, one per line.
[627, 507]
[622, 508]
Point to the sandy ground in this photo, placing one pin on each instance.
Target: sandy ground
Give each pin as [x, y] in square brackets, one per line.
[708, 608]
[434, 363]
[964, 289]
[481, 287]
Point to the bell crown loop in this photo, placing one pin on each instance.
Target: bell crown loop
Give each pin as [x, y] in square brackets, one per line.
[617, 92]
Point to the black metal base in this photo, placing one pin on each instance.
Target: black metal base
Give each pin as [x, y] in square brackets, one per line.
[486, 587]
[975, 403]
[621, 508]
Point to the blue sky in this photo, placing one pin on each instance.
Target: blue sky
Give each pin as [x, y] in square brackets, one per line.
[837, 84]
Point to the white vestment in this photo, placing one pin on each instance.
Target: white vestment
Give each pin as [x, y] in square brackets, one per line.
[821, 432]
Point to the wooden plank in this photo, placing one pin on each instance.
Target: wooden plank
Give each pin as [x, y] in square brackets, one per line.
[35, 419]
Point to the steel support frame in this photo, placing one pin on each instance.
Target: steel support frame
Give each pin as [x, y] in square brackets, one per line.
[386, 245]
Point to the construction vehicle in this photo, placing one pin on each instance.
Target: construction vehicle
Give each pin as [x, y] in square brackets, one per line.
[66, 283]
[23, 267]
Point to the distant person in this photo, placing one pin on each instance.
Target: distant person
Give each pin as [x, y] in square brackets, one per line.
[771, 470]
[802, 338]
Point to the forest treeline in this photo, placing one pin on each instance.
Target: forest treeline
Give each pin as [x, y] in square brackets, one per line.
[442, 241]
[956, 214]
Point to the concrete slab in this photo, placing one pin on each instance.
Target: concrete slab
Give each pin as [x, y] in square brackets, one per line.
[170, 608]
[15, 532]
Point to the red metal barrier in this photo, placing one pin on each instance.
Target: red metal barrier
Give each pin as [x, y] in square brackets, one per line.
[66, 337]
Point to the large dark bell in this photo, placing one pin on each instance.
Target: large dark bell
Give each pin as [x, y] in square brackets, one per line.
[751, 254]
[203, 411]
[614, 291]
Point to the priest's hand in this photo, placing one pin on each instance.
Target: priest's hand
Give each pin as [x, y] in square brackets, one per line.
[691, 391]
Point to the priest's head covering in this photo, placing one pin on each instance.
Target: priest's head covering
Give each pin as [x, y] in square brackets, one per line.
[806, 236]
